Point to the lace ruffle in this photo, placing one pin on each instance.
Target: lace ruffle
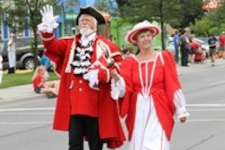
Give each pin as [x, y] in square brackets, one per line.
[82, 58]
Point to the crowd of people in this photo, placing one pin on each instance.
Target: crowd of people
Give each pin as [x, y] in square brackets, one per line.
[191, 51]
[98, 79]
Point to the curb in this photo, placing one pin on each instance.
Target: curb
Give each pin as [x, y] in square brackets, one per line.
[21, 98]
[195, 68]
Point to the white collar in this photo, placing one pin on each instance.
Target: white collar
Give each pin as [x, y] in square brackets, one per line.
[86, 39]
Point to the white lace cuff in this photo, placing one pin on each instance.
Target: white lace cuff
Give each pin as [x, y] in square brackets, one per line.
[92, 77]
[117, 88]
[181, 112]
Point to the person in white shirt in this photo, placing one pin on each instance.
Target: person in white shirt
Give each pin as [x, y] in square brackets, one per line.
[1, 67]
[12, 53]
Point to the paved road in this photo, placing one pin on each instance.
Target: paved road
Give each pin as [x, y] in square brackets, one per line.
[26, 125]
[205, 94]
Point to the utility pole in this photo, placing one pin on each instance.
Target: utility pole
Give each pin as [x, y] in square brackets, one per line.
[62, 14]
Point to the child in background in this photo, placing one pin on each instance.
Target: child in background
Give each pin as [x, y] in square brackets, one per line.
[1, 67]
[40, 85]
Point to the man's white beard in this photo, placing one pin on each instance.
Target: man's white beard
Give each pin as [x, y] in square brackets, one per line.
[86, 30]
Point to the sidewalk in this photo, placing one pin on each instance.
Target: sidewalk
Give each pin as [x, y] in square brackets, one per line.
[18, 93]
[25, 92]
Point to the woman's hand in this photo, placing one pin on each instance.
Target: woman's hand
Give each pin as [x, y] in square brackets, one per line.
[183, 119]
[115, 75]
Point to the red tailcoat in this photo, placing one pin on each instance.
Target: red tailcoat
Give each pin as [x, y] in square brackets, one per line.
[109, 124]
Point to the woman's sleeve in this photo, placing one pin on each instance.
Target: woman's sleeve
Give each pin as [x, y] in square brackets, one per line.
[180, 104]
[173, 86]
[171, 80]
[126, 74]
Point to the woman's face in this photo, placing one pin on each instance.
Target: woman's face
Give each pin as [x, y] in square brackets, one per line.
[144, 40]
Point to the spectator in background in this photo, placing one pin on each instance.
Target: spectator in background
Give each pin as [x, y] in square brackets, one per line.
[122, 47]
[212, 48]
[185, 47]
[12, 53]
[195, 48]
[176, 42]
[111, 38]
[127, 52]
[222, 44]
[1, 67]
[39, 82]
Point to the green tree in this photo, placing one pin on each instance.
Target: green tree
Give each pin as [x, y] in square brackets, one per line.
[190, 11]
[218, 18]
[21, 14]
[158, 10]
[211, 23]
[202, 26]
[162, 11]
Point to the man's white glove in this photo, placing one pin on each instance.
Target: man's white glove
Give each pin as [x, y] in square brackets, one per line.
[48, 20]
[92, 77]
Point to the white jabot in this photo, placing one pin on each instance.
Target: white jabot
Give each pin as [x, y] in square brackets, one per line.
[86, 39]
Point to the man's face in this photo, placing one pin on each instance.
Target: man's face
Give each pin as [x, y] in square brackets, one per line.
[87, 20]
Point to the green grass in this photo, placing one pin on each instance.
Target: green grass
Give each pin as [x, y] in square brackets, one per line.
[10, 80]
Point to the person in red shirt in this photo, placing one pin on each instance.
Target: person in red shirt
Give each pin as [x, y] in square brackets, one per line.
[39, 82]
[84, 105]
[195, 48]
[222, 43]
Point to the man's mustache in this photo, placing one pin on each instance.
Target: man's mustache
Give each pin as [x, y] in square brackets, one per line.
[85, 26]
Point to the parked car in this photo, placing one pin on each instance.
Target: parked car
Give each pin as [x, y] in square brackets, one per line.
[24, 56]
[204, 45]
[170, 47]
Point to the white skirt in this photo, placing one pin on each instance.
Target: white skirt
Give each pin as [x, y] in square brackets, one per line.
[147, 133]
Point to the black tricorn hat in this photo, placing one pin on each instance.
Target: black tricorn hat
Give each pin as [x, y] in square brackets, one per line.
[92, 12]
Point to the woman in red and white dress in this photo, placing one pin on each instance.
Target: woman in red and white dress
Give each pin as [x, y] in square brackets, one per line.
[149, 92]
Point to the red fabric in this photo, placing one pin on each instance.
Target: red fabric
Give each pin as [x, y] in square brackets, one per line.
[222, 40]
[109, 123]
[195, 45]
[199, 57]
[165, 83]
[84, 101]
[37, 81]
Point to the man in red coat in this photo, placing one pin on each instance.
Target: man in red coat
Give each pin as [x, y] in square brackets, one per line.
[84, 105]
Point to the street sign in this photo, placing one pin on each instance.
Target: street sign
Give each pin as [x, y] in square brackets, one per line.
[210, 4]
[70, 16]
